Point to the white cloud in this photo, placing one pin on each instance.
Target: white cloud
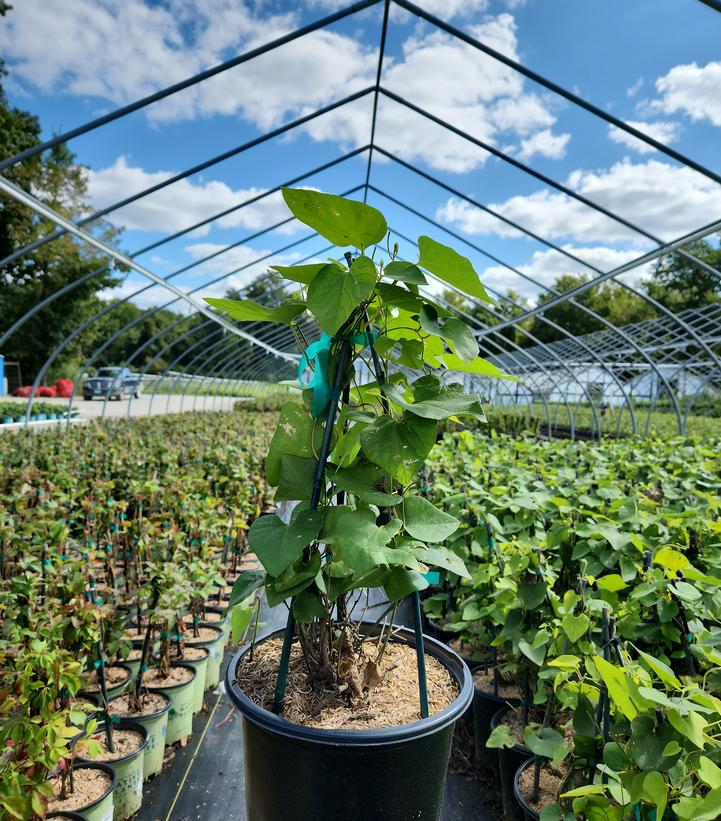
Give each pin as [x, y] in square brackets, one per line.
[120, 50]
[693, 90]
[545, 143]
[181, 204]
[664, 199]
[633, 90]
[459, 85]
[297, 78]
[445, 9]
[664, 132]
[123, 49]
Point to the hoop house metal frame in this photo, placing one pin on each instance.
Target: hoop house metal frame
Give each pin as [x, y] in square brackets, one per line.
[651, 360]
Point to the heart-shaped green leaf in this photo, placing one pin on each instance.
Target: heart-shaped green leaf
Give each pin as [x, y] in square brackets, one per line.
[424, 521]
[400, 448]
[247, 310]
[335, 293]
[278, 545]
[451, 267]
[341, 221]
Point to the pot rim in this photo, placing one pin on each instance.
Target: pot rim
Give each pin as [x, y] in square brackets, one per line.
[510, 701]
[381, 736]
[139, 716]
[124, 666]
[205, 642]
[94, 765]
[495, 721]
[180, 683]
[123, 724]
[522, 802]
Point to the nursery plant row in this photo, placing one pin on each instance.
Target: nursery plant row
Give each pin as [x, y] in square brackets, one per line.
[115, 540]
[592, 616]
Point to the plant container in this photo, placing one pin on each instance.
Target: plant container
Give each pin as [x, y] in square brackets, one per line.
[156, 728]
[103, 808]
[509, 760]
[528, 813]
[215, 648]
[114, 691]
[293, 773]
[67, 816]
[201, 671]
[485, 706]
[128, 793]
[440, 633]
[223, 623]
[180, 716]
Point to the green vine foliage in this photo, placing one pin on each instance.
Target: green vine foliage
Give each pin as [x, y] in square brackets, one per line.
[370, 527]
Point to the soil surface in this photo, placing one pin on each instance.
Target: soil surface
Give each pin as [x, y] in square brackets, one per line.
[176, 675]
[150, 703]
[125, 742]
[189, 654]
[391, 703]
[483, 679]
[549, 782]
[204, 634]
[135, 654]
[90, 785]
[513, 719]
[114, 676]
[212, 616]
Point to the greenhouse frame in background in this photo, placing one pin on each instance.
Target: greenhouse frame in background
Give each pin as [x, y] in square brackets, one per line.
[609, 381]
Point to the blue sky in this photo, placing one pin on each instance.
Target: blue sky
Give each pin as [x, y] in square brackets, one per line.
[655, 63]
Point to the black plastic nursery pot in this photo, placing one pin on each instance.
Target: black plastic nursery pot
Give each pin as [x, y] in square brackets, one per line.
[509, 760]
[529, 814]
[440, 633]
[294, 773]
[485, 706]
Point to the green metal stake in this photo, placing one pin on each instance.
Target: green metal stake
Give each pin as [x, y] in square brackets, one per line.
[314, 501]
[420, 646]
[421, 656]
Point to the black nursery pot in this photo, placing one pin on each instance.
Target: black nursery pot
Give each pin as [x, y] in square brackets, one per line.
[294, 773]
[485, 706]
[529, 814]
[509, 760]
[439, 633]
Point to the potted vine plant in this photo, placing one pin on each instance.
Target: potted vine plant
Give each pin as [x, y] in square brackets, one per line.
[350, 457]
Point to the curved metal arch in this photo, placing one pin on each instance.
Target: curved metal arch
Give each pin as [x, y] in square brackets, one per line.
[152, 311]
[38, 243]
[544, 178]
[186, 295]
[557, 89]
[170, 327]
[474, 320]
[167, 328]
[602, 277]
[208, 358]
[164, 240]
[530, 279]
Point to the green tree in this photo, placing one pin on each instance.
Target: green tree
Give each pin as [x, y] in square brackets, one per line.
[679, 284]
[61, 183]
[609, 300]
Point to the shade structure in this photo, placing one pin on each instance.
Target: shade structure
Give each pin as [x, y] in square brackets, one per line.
[618, 374]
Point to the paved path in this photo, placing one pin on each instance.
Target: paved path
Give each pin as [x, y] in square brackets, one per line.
[146, 405]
